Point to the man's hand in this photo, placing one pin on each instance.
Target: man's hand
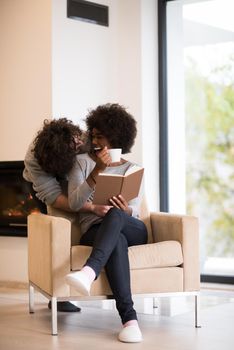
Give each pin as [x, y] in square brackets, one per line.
[121, 203]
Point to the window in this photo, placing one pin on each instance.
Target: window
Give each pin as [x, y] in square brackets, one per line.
[197, 105]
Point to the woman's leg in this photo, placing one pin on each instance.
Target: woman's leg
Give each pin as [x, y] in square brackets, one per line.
[103, 237]
[118, 275]
[110, 242]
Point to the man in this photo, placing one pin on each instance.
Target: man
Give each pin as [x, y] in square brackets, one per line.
[49, 158]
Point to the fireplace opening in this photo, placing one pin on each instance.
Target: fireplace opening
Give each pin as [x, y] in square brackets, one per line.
[15, 201]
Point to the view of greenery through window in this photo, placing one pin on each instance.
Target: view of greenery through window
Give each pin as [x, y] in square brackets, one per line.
[209, 88]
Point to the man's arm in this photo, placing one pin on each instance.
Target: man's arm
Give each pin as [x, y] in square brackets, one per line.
[61, 202]
[47, 188]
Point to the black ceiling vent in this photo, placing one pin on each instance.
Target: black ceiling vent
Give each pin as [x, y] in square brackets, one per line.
[88, 11]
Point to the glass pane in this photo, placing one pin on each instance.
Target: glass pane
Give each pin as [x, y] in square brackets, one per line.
[204, 124]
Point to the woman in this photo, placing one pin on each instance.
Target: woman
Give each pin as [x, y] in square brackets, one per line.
[109, 229]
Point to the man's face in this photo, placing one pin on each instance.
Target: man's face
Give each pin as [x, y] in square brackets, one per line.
[77, 142]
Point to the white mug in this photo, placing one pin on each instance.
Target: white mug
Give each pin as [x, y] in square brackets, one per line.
[115, 154]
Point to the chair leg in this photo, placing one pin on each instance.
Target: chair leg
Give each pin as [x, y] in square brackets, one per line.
[197, 311]
[31, 299]
[155, 303]
[54, 315]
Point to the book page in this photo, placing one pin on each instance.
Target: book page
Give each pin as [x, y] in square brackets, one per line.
[109, 174]
[133, 169]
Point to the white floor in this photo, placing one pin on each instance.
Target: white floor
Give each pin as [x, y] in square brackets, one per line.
[169, 326]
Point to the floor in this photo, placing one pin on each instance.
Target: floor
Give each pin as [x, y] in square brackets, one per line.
[169, 325]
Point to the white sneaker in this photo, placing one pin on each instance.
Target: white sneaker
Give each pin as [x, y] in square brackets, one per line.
[130, 334]
[79, 281]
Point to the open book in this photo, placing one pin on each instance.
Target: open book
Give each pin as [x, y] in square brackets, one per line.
[109, 185]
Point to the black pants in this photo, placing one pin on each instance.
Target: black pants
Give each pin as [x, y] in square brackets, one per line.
[110, 240]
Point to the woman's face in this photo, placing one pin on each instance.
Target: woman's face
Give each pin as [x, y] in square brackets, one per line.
[99, 140]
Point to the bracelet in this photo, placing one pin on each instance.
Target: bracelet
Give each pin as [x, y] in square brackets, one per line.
[92, 178]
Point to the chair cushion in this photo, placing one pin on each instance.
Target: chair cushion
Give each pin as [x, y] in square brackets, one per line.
[162, 254]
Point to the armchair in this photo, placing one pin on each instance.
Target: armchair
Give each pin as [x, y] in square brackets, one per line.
[167, 265]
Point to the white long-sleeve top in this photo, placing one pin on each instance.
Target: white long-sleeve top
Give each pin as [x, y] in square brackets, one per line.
[79, 190]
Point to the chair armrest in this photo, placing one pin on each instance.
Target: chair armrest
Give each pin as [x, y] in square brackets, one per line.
[184, 229]
[49, 246]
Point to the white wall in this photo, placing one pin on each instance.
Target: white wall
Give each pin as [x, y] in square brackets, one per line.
[93, 64]
[84, 62]
[176, 112]
[84, 65]
[25, 99]
[149, 102]
[25, 71]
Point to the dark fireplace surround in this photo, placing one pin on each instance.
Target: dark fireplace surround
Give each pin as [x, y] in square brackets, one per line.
[15, 201]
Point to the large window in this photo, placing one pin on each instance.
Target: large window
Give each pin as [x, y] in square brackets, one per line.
[198, 105]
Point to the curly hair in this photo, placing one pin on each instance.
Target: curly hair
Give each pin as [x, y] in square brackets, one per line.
[115, 123]
[54, 146]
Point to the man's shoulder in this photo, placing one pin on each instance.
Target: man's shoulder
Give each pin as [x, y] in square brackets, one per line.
[84, 161]
[84, 158]
[30, 163]
[30, 152]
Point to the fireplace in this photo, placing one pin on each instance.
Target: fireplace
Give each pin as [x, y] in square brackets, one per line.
[15, 201]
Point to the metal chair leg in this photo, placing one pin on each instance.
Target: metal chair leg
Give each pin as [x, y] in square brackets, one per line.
[155, 303]
[54, 315]
[197, 311]
[31, 299]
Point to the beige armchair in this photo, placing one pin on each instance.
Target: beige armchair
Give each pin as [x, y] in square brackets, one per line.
[168, 265]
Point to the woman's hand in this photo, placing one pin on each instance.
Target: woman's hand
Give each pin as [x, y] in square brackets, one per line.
[100, 210]
[103, 159]
[121, 203]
